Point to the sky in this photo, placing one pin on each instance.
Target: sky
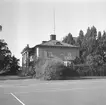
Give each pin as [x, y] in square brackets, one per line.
[32, 21]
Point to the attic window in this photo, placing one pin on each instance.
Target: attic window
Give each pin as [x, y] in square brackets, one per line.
[58, 43]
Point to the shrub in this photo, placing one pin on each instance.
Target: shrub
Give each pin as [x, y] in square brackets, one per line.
[94, 60]
[53, 69]
[40, 67]
[89, 70]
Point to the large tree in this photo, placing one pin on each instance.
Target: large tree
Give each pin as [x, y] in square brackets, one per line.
[5, 55]
[80, 38]
[8, 63]
[89, 42]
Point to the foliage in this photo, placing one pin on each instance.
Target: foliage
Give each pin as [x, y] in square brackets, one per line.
[92, 52]
[69, 39]
[95, 60]
[80, 38]
[55, 70]
[77, 60]
[52, 69]
[92, 42]
[14, 65]
[87, 70]
[8, 63]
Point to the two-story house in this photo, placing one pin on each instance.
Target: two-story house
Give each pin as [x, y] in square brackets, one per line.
[49, 49]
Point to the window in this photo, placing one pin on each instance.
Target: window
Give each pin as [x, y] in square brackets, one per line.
[68, 57]
[24, 58]
[31, 58]
[49, 55]
[58, 43]
[67, 63]
[37, 52]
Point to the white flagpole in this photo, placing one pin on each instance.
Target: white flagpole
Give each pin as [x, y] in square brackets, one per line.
[54, 19]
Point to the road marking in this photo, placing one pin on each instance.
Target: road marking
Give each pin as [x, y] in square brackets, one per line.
[17, 98]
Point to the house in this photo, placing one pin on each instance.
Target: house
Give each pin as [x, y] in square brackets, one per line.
[49, 49]
[28, 57]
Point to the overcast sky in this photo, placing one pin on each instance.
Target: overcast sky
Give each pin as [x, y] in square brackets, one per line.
[31, 21]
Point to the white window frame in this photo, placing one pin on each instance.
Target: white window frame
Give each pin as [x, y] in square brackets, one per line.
[37, 52]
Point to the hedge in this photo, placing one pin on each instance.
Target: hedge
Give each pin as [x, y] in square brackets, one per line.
[88, 70]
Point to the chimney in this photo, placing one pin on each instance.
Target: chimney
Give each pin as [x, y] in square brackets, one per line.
[28, 45]
[52, 37]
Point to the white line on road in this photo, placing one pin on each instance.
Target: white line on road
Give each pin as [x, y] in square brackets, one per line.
[17, 99]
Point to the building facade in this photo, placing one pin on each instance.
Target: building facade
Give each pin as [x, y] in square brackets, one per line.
[49, 49]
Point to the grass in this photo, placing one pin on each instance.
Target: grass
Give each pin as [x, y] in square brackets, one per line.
[69, 78]
[13, 77]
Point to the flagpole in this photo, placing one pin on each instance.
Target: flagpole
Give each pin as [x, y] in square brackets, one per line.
[54, 19]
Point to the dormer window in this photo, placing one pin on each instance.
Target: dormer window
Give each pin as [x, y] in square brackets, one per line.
[58, 43]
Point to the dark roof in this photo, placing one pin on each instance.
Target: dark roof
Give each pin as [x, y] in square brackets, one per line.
[55, 43]
[25, 49]
[28, 49]
[32, 50]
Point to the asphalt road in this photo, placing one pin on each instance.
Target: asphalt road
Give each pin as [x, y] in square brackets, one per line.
[71, 92]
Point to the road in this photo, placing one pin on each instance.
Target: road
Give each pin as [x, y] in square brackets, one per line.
[70, 92]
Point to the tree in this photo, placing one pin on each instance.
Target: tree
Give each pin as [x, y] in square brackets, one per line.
[79, 42]
[69, 39]
[14, 65]
[99, 36]
[89, 43]
[8, 63]
[80, 38]
[104, 35]
[92, 49]
[104, 41]
[95, 60]
[93, 32]
[5, 54]
[4, 50]
[101, 45]
[77, 60]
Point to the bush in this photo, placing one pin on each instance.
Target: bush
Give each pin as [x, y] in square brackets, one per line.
[40, 67]
[53, 69]
[89, 70]
[23, 72]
